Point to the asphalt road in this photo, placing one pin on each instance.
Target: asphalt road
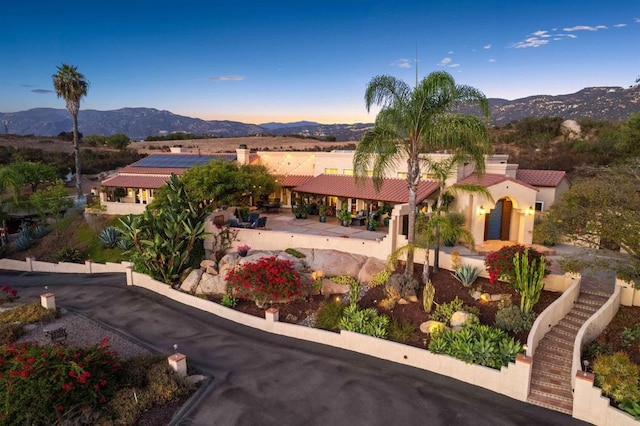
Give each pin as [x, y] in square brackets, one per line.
[262, 379]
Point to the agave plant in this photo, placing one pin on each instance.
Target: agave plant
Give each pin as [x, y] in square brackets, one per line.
[124, 244]
[466, 274]
[23, 241]
[109, 237]
[69, 254]
[40, 231]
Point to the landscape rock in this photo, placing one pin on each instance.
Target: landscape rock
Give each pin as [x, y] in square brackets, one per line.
[192, 280]
[214, 285]
[334, 262]
[370, 269]
[570, 129]
[476, 295]
[207, 263]
[330, 287]
[458, 318]
[430, 326]
[403, 302]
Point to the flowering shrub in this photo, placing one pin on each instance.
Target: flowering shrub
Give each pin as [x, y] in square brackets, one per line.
[269, 278]
[243, 248]
[42, 384]
[8, 294]
[500, 263]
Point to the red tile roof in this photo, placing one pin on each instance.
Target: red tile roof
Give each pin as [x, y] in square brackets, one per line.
[490, 179]
[136, 181]
[392, 190]
[293, 180]
[550, 178]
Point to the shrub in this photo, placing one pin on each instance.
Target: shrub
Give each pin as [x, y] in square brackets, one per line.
[617, 376]
[364, 321]
[9, 333]
[428, 293]
[466, 274]
[8, 294]
[476, 344]
[27, 314]
[344, 280]
[40, 383]
[401, 331]
[295, 253]
[380, 278]
[444, 311]
[269, 278]
[510, 318]
[109, 237]
[500, 263]
[354, 291]
[228, 301]
[69, 254]
[329, 315]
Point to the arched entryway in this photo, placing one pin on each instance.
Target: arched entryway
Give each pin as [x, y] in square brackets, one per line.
[497, 223]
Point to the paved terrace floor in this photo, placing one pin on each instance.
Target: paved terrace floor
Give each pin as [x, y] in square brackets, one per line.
[284, 221]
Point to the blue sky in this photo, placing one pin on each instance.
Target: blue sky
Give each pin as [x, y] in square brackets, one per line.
[261, 61]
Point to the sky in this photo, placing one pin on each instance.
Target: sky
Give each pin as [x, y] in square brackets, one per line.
[284, 61]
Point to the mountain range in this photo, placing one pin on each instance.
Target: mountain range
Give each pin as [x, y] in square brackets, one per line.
[597, 103]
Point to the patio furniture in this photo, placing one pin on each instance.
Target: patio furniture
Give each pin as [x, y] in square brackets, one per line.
[233, 223]
[358, 221]
[262, 222]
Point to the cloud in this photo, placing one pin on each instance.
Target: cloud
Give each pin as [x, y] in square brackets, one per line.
[488, 46]
[450, 52]
[492, 60]
[530, 42]
[585, 28]
[28, 86]
[619, 25]
[454, 65]
[636, 20]
[226, 78]
[444, 62]
[402, 63]
[541, 33]
[42, 91]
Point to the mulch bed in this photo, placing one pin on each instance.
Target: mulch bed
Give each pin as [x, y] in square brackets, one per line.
[610, 340]
[447, 288]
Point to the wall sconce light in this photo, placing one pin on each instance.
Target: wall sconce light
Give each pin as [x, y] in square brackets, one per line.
[482, 211]
[530, 211]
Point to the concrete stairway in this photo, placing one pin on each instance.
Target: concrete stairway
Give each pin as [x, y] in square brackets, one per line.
[552, 360]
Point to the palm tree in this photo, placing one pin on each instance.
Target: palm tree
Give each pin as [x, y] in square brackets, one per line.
[413, 122]
[72, 86]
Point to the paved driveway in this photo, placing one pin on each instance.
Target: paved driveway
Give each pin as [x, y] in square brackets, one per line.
[261, 379]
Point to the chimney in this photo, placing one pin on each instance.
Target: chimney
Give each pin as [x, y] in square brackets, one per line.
[242, 154]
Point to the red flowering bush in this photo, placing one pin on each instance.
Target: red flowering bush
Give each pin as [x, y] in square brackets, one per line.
[8, 294]
[269, 278]
[500, 263]
[44, 384]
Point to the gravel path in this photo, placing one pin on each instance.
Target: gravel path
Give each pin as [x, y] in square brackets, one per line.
[82, 332]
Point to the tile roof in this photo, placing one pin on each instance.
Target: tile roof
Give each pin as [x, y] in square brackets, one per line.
[392, 190]
[541, 177]
[490, 179]
[293, 180]
[135, 181]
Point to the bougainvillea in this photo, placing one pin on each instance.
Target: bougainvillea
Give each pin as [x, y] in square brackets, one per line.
[41, 384]
[500, 263]
[8, 294]
[269, 278]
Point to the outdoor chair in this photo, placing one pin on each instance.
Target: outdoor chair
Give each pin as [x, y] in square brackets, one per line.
[262, 222]
[233, 223]
[253, 217]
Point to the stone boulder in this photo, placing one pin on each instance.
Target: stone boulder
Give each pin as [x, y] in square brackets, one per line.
[370, 269]
[431, 326]
[331, 287]
[570, 129]
[214, 285]
[192, 280]
[459, 318]
[334, 262]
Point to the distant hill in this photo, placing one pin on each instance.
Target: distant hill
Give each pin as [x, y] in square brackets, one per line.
[598, 103]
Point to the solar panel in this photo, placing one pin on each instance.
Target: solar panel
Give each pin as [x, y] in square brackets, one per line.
[180, 160]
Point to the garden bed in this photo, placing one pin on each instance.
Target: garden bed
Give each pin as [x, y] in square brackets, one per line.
[447, 289]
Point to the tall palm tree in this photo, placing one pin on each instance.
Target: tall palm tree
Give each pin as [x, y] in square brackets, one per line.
[416, 121]
[72, 86]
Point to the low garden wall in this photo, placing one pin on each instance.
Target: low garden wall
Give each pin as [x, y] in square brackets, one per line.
[629, 296]
[554, 313]
[590, 406]
[88, 267]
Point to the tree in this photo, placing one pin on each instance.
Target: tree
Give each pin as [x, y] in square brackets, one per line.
[415, 122]
[52, 200]
[17, 175]
[600, 210]
[118, 140]
[72, 86]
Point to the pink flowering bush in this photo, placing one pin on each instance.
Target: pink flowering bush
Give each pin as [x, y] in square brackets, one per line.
[44, 384]
[500, 263]
[8, 294]
[269, 278]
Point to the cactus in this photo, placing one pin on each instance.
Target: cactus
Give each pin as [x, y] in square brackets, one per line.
[428, 294]
[528, 280]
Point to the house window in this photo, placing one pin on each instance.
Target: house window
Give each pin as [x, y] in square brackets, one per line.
[369, 173]
[428, 176]
[331, 171]
[402, 175]
[539, 206]
[348, 172]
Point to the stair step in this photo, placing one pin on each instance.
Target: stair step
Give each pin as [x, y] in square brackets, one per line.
[580, 312]
[557, 335]
[544, 377]
[566, 330]
[572, 321]
[554, 363]
[560, 392]
[555, 344]
[585, 307]
[596, 296]
[565, 407]
[572, 316]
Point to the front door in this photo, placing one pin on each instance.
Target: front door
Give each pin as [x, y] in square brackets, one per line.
[497, 224]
